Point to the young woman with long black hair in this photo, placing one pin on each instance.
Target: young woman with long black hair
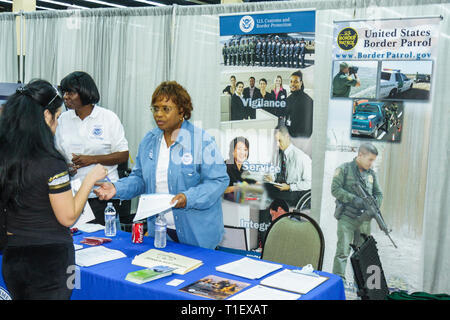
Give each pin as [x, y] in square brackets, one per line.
[36, 195]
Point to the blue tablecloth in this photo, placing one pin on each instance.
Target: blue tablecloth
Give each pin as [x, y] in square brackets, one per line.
[107, 280]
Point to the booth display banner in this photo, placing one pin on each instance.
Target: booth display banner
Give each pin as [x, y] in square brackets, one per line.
[266, 101]
[381, 82]
[392, 58]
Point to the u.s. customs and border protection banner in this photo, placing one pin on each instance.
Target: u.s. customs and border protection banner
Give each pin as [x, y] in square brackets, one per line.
[381, 91]
[266, 100]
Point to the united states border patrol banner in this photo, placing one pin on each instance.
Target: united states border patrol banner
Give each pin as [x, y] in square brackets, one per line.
[378, 132]
[266, 100]
[392, 59]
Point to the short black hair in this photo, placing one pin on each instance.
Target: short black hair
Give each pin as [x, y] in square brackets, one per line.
[83, 84]
[233, 144]
[252, 77]
[367, 147]
[239, 82]
[264, 80]
[299, 74]
[279, 203]
[233, 77]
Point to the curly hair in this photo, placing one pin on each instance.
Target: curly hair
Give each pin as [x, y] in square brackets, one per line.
[171, 90]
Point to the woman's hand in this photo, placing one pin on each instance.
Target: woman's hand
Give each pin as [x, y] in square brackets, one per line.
[181, 200]
[97, 173]
[106, 191]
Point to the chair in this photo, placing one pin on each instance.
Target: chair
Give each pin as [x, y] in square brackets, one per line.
[295, 239]
[304, 204]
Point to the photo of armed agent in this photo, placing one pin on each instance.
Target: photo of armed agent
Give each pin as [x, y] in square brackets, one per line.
[345, 80]
[350, 205]
[391, 116]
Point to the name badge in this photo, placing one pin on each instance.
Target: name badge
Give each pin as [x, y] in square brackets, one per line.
[187, 158]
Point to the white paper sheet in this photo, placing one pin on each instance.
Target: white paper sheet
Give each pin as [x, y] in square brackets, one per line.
[95, 255]
[175, 282]
[77, 246]
[90, 227]
[264, 293]
[292, 281]
[152, 204]
[87, 214]
[249, 268]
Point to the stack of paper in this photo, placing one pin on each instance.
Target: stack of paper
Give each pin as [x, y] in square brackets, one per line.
[293, 281]
[154, 257]
[264, 293]
[95, 255]
[249, 268]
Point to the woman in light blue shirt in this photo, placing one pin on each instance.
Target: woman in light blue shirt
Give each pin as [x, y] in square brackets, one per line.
[195, 171]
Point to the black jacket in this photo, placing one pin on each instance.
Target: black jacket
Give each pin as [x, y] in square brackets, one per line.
[300, 114]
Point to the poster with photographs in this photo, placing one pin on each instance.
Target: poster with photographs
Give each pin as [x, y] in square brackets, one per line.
[266, 101]
[377, 138]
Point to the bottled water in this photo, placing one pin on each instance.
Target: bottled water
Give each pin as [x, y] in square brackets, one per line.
[110, 220]
[118, 223]
[160, 231]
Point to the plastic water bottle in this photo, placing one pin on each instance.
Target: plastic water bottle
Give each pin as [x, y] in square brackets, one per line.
[160, 231]
[118, 223]
[110, 220]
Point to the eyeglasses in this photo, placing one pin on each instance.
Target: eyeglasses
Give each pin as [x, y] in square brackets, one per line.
[58, 94]
[165, 109]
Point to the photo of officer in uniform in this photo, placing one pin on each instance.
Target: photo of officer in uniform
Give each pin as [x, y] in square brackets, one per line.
[343, 81]
[349, 206]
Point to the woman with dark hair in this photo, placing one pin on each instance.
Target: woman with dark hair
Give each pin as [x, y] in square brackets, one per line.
[231, 88]
[36, 195]
[238, 154]
[89, 134]
[264, 96]
[299, 113]
[183, 160]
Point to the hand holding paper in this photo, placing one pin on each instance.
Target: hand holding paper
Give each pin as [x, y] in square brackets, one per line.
[179, 201]
[152, 204]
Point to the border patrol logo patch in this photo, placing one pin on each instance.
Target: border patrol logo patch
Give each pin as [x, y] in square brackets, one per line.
[347, 39]
[337, 172]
